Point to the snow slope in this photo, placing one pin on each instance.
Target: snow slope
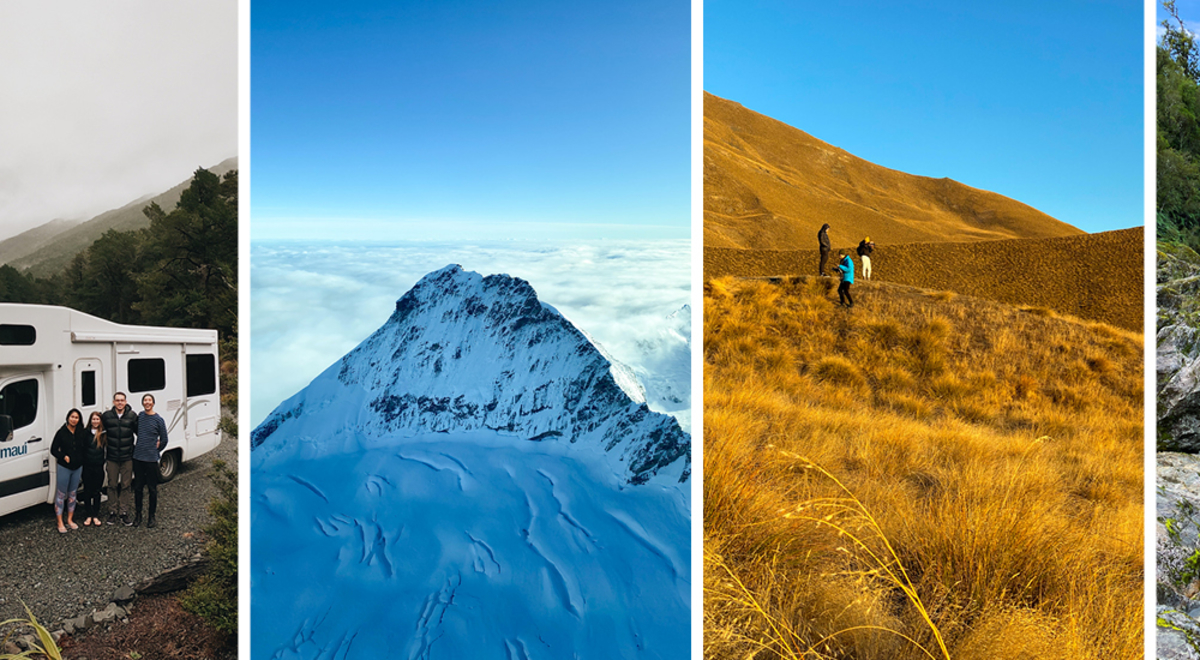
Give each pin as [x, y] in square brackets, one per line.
[470, 482]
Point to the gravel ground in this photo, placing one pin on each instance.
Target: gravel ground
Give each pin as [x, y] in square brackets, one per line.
[65, 575]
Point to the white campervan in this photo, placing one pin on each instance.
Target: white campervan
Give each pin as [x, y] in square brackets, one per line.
[53, 359]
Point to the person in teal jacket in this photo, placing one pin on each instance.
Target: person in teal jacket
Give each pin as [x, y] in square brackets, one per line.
[846, 266]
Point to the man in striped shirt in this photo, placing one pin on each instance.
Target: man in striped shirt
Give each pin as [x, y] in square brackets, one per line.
[151, 440]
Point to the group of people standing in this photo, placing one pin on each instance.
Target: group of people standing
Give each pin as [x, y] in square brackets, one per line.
[845, 265]
[124, 445]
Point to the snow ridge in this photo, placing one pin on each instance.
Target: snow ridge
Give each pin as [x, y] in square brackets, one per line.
[462, 353]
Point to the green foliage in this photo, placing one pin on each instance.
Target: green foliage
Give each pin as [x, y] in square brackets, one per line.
[228, 348]
[214, 596]
[15, 287]
[229, 386]
[1178, 137]
[107, 287]
[1179, 42]
[191, 254]
[44, 647]
[1193, 563]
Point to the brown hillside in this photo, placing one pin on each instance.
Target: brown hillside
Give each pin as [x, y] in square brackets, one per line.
[770, 186]
[1090, 276]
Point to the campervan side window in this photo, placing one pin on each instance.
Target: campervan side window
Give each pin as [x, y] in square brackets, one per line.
[17, 335]
[88, 384]
[20, 400]
[201, 375]
[147, 374]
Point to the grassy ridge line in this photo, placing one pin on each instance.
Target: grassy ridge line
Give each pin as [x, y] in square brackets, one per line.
[1097, 277]
[767, 185]
[997, 451]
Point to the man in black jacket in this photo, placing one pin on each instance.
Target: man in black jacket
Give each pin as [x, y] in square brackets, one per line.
[120, 424]
[823, 239]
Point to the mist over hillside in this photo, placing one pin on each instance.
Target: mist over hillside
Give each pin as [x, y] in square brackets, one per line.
[47, 249]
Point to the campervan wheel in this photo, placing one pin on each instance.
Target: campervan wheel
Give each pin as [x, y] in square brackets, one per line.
[168, 465]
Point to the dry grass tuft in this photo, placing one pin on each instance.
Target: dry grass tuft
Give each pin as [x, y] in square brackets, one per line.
[838, 370]
[917, 472]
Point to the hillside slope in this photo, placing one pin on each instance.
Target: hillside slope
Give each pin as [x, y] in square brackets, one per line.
[1092, 276]
[768, 185]
[54, 253]
[15, 247]
[956, 472]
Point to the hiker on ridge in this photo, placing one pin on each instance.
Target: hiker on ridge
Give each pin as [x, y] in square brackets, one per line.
[846, 266]
[865, 248]
[823, 239]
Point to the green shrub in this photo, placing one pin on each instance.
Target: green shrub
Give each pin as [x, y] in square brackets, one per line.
[214, 596]
[45, 647]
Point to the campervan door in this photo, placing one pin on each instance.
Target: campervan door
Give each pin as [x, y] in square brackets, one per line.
[27, 350]
[25, 435]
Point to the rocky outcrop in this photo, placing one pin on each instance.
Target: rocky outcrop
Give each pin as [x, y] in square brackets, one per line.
[1178, 346]
[1178, 633]
[1177, 372]
[1177, 577]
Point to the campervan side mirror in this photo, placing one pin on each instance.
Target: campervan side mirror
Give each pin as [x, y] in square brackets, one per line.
[6, 428]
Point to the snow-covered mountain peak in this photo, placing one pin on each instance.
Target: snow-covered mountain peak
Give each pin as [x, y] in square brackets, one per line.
[463, 352]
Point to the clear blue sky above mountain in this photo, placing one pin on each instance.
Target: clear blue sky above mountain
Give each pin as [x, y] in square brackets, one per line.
[470, 118]
[1041, 102]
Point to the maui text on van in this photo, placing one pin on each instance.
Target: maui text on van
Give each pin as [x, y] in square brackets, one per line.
[53, 359]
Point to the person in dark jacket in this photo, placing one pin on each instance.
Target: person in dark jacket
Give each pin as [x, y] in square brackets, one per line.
[151, 440]
[67, 450]
[846, 266]
[823, 240]
[93, 468]
[120, 427]
[865, 248]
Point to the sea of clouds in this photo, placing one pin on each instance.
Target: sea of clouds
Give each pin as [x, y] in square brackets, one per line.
[312, 302]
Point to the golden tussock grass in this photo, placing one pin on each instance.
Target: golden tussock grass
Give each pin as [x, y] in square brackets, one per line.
[919, 477]
[1097, 277]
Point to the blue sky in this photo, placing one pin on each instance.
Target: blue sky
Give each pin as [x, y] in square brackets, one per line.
[1041, 102]
[470, 118]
